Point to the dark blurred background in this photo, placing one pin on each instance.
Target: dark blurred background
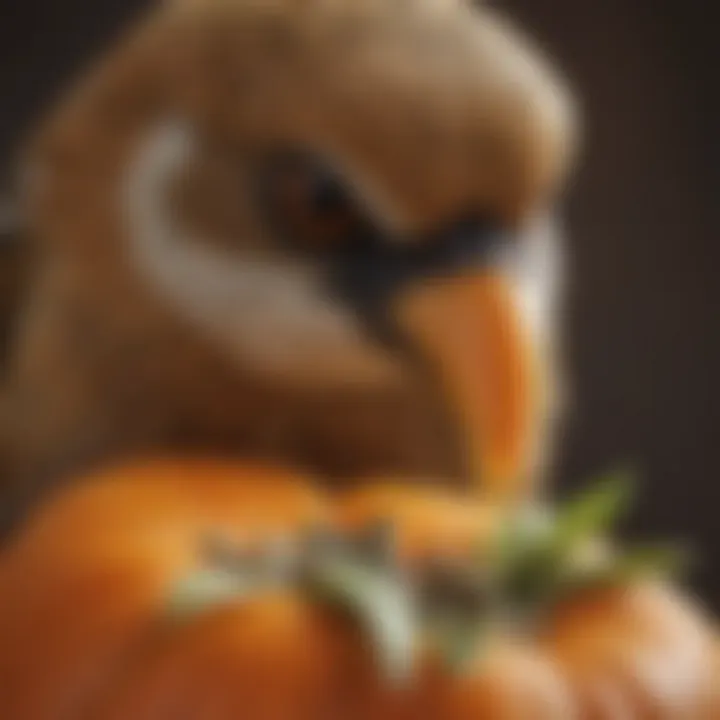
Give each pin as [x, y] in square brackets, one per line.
[644, 253]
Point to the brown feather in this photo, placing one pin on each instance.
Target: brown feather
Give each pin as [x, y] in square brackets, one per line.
[430, 107]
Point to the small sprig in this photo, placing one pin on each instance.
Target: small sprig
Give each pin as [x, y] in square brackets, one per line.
[537, 559]
[229, 572]
[537, 553]
[540, 558]
[358, 574]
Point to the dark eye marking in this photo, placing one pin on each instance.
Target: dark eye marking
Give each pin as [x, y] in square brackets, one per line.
[327, 193]
[316, 211]
[309, 204]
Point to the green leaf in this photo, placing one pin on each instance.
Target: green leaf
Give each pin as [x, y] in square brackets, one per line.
[519, 565]
[533, 560]
[659, 561]
[382, 603]
[459, 639]
[521, 531]
[593, 511]
[645, 562]
[205, 590]
[518, 538]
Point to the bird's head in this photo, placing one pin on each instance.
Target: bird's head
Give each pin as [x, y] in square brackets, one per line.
[338, 194]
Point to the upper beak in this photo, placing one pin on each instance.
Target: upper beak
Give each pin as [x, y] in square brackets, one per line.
[471, 329]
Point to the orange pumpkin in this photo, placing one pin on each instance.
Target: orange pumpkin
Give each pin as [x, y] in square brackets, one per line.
[82, 587]
[640, 650]
[85, 633]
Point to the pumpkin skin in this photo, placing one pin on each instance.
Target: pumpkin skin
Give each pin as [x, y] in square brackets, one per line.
[82, 633]
[274, 657]
[637, 652]
[301, 665]
[430, 521]
[512, 681]
[642, 651]
[81, 588]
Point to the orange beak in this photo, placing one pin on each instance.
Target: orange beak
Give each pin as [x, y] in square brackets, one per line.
[471, 330]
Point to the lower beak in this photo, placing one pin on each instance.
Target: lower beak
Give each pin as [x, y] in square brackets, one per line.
[471, 331]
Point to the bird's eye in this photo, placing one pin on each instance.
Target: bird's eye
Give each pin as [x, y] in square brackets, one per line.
[309, 204]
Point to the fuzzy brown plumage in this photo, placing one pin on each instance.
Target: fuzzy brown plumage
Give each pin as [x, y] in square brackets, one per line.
[432, 105]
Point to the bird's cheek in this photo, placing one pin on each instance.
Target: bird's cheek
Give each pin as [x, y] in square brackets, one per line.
[472, 329]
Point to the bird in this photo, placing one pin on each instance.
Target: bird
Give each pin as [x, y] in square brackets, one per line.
[321, 234]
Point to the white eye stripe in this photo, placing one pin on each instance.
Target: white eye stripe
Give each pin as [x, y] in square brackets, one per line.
[537, 270]
[271, 315]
